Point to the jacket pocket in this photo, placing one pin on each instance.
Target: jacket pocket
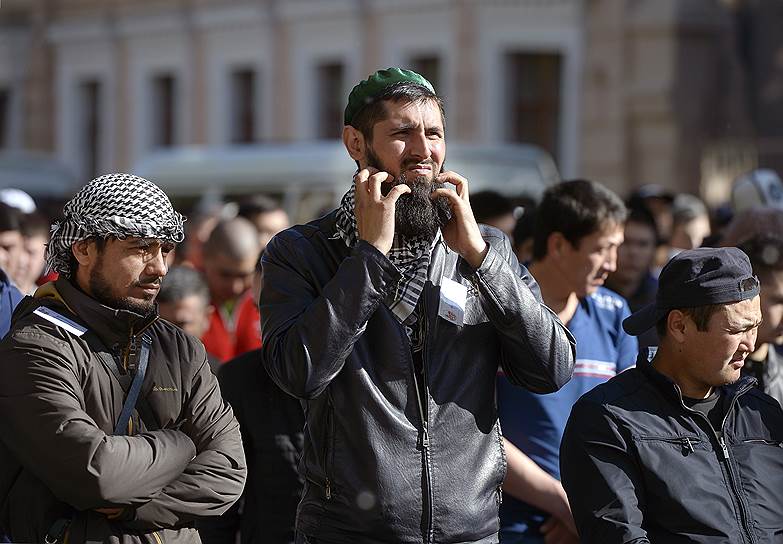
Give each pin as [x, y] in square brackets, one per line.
[760, 465]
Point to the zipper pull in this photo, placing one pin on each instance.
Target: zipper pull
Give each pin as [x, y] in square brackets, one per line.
[687, 446]
[425, 438]
[328, 490]
[724, 448]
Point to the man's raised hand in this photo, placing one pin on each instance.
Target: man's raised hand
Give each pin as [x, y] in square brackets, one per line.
[375, 212]
[462, 233]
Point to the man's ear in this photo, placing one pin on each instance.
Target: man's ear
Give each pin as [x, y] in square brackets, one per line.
[354, 142]
[555, 244]
[82, 252]
[677, 324]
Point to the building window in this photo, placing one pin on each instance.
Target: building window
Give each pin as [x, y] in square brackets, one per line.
[90, 129]
[164, 118]
[243, 106]
[429, 67]
[533, 99]
[330, 100]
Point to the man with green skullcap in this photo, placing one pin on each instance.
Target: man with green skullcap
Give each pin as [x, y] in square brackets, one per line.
[387, 318]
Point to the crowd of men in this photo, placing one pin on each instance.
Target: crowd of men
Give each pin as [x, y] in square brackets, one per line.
[421, 364]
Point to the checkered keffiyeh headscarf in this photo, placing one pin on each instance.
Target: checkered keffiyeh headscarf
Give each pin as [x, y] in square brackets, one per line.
[118, 205]
[410, 255]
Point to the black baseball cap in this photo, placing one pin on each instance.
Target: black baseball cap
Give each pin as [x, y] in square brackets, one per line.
[697, 277]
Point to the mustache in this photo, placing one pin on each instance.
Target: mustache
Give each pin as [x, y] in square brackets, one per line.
[150, 280]
[412, 162]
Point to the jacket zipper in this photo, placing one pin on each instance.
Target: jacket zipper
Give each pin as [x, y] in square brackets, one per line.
[157, 537]
[424, 415]
[727, 459]
[686, 442]
[330, 431]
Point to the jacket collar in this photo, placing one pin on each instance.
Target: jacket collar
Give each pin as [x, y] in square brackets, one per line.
[672, 391]
[114, 327]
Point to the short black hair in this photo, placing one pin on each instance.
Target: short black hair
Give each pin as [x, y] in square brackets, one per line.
[701, 316]
[375, 111]
[643, 216]
[182, 282]
[489, 204]
[35, 224]
[256, 205]
[575, 208]
[10, 218]
[525, 227]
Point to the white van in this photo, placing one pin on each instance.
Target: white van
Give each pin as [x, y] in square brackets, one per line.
[312, 177]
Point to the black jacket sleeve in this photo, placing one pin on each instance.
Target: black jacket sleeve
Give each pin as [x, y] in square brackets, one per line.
[601, 478]
[537, 350]
[309, 334]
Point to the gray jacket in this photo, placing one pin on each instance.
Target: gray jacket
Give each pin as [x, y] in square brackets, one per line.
[59, 403]
[383, 464]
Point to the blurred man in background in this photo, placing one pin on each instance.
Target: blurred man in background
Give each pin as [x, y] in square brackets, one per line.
[690, 223]
[9, 298]
[198, 227]
[184, 300]
[272, 425]
[11, 242]
[759, 233]
[495, 210]
[35, 236]
[579, 226]
[266, 214]
[633, 279]
[522, 236]
[230, 255]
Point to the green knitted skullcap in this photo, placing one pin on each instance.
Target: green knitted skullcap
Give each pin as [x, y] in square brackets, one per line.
[375, 85]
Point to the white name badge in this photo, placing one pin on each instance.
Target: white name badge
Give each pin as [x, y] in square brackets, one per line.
[453, 296]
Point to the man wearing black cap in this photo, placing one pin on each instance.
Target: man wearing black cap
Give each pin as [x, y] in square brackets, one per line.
[680, 448]
[388, 317]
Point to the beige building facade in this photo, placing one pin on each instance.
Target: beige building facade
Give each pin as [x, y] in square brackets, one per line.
[622, 92]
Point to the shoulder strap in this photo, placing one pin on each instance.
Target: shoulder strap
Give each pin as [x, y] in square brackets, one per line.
[140, 403]
[133, 393]
[110, 362]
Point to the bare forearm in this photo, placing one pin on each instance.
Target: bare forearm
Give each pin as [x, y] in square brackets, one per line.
[528, 482]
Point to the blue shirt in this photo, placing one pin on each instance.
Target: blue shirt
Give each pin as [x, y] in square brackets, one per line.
[9, 298]
[535, 423]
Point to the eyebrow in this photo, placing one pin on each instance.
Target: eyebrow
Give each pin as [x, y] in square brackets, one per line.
[746, 326]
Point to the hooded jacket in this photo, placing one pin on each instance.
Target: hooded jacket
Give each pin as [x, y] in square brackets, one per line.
[639, 466]
[59, 404]
[385, 460]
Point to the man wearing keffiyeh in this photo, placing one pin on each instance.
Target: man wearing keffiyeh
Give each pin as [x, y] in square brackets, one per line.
[388, 317]
[113, 428]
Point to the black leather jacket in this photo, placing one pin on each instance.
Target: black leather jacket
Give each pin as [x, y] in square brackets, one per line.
[375, 472]
[640, 467]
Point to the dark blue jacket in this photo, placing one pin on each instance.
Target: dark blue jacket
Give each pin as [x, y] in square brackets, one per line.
[9, 298]
[640, 467]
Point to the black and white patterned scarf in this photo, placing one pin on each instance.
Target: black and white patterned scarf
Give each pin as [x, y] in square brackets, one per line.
[411, 256]
[118, 205]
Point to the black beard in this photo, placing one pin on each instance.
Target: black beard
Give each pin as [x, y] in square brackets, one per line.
[101, 291]
[416, 214]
